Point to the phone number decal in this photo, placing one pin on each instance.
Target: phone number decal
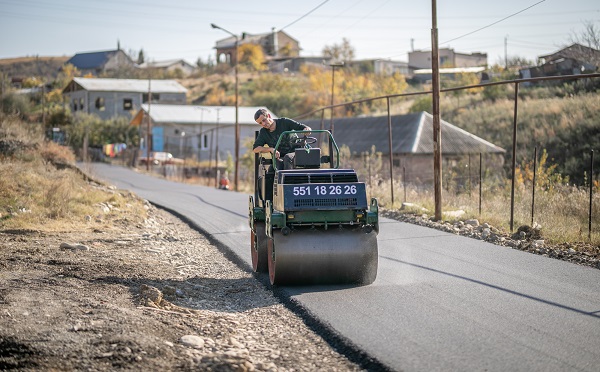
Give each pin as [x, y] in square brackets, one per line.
[324, 190]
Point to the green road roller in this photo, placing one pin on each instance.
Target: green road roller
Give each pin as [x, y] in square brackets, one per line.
[312, 224]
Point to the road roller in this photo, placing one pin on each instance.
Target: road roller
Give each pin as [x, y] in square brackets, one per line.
[312, 224]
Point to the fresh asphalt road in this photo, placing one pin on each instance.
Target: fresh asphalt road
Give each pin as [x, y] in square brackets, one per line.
[441, 302]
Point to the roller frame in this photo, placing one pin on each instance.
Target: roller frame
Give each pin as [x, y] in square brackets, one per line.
[329, 237]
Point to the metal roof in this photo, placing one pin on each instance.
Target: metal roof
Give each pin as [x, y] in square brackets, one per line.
[192, 114]
[165, 63]
[84, 61]
[411, 134]
[130, 85]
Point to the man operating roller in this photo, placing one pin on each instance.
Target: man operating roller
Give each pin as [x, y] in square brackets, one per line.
[269, 135]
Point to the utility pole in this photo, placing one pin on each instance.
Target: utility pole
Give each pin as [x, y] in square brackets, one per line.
[237, 123]
[505, 52]
[333, 66]
[217, 151]
[437, 130]
[148, 135]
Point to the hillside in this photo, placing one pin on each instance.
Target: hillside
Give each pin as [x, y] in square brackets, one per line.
[567, 128]
[47, 67]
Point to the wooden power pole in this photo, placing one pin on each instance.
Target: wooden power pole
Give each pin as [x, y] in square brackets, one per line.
[437, 130]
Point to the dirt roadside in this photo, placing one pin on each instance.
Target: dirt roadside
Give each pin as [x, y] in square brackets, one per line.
[151, 296]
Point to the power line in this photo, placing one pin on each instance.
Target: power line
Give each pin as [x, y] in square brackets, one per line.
[315, 8]
[491, 24]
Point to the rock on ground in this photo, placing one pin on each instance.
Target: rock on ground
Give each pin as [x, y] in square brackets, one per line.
[151, 297]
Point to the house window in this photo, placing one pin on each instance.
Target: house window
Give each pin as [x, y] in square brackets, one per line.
[155, 97]
[100, 104]
[81, 103]
[127, 104]
[204, 144]
[74, 104]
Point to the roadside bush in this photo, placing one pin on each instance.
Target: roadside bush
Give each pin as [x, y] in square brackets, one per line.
[56, 154]
[424, 103]
[100, 132]
[16, 104]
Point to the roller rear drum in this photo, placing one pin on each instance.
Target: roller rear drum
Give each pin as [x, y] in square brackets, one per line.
[319, 256]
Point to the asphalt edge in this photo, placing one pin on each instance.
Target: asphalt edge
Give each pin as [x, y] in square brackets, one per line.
[341, 344]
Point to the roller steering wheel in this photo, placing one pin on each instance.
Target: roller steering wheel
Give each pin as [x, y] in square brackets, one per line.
[300, 142]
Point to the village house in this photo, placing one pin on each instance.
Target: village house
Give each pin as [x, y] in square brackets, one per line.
[109, 98]
[170, 66]
[419, 59]
[412, 142]
[194, 131]
[96, 63]
[275, 45]
[572, 60]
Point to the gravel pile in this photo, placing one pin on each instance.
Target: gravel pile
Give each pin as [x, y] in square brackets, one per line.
[526, 238]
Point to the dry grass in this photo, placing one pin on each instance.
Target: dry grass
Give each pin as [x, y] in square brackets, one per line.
[36, 195]
[8, 61]
[562, 212]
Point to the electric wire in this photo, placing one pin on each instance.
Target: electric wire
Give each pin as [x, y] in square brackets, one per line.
[315, 8]
[494, 23]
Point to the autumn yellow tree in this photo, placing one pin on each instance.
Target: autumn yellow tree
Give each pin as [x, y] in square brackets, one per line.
[218, 96]
[349, 86]
[462, 79]
[66, 74]
[251, 57]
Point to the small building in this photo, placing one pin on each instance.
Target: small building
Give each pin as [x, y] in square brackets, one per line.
[109, 98]
[577, 52]
[573, 60]
[293, 64]
[388, 67]
[426, 75]
[200, 132]
[275, 44]
[420, 59]
[412, 142]
[170, 66]
[96, 63]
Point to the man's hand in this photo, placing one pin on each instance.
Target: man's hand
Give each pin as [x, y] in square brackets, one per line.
[271, 150]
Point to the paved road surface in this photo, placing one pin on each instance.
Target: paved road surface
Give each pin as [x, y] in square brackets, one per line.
[441, 302]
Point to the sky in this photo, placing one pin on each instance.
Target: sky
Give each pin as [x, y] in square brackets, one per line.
[376, 29]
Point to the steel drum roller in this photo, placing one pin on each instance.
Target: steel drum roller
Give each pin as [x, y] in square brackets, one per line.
[319, 256]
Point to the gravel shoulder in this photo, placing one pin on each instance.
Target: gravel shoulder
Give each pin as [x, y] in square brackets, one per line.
[526, 238]
[154, 296]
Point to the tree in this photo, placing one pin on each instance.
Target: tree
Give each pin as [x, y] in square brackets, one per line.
[66, 74]
[340, 52]
[251, 57]
[590, 38]
[462, 79]
[424, 103]
[101, 132]
[282, 94]
[140, 58]
[286, 50]
[518, 61]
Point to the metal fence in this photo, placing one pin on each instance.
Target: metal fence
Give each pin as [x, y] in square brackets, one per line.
[516, 83]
